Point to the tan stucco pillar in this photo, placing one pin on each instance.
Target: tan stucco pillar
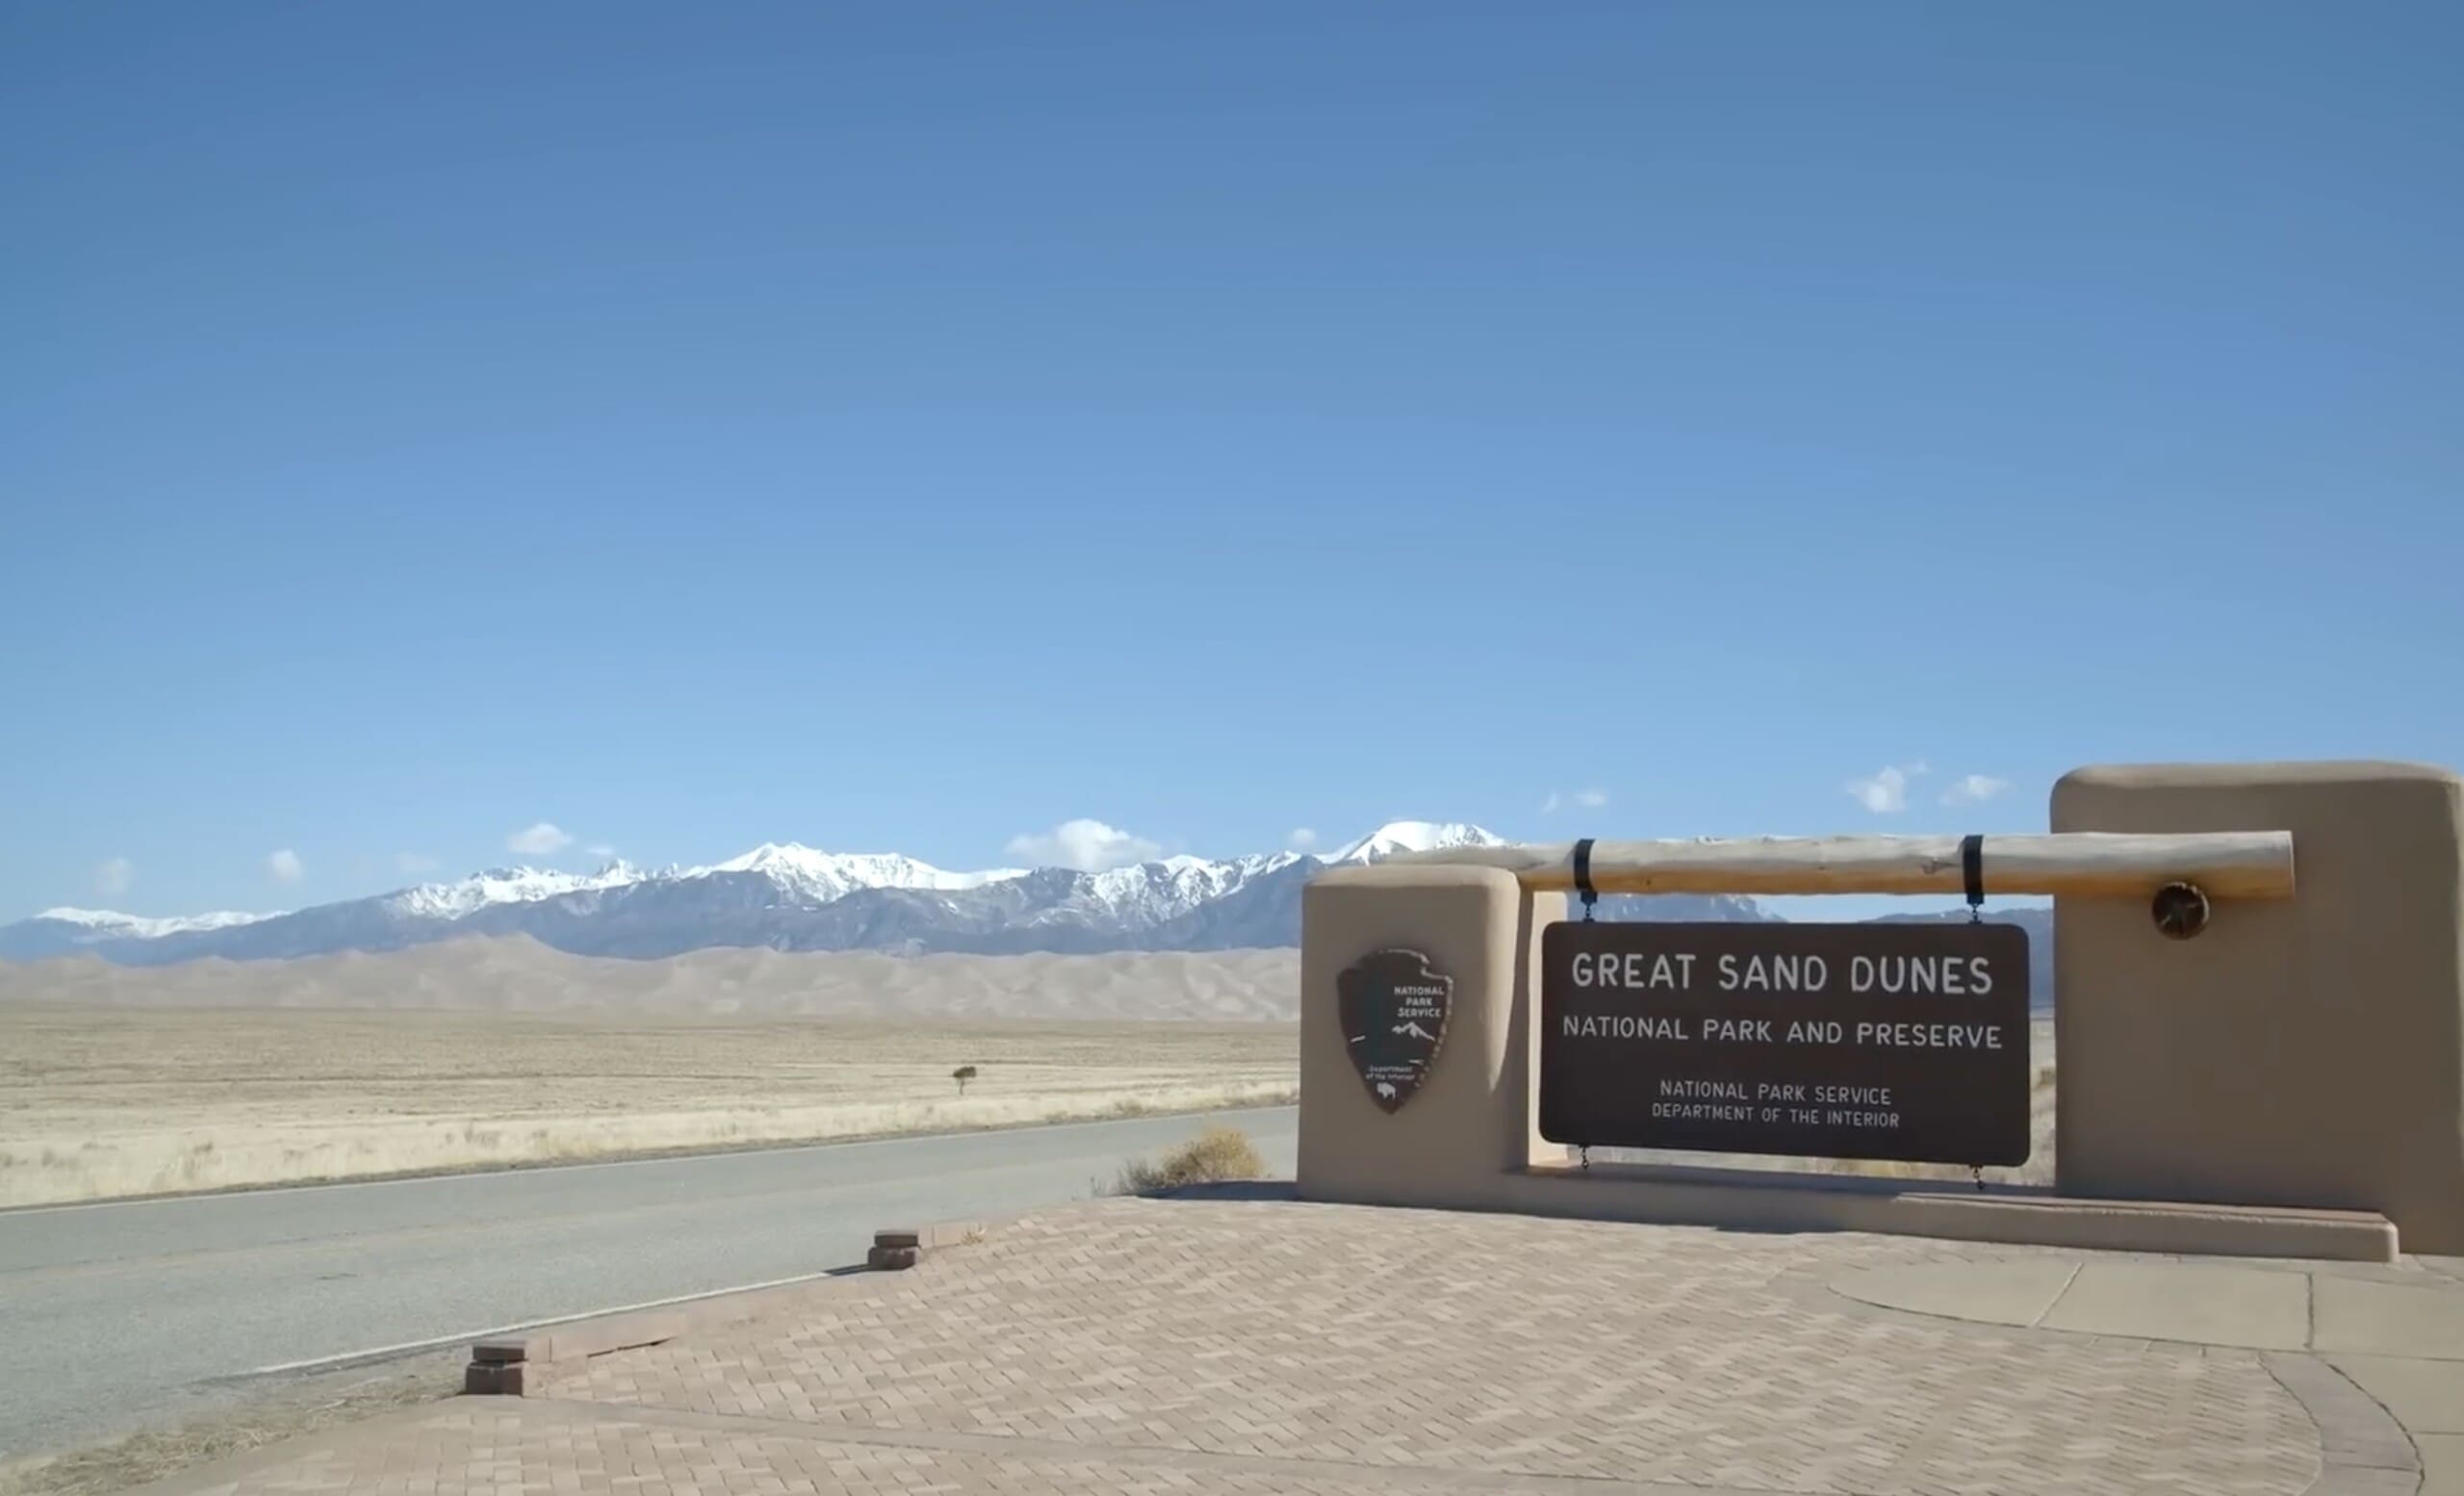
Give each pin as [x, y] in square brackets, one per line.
[1474, 1120]
[2299, 1052]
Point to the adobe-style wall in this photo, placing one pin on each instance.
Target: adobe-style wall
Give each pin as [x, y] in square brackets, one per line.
[1473, 1121]
[2307, 1051]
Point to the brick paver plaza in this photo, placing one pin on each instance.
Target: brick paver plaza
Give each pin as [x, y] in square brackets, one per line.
[1272, 1346]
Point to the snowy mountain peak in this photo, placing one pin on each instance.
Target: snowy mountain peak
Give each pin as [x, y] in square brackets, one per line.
[506, 886]
[1173, 885]
[772, 856]
[819, 877]
[1415, 837]
[111, 923]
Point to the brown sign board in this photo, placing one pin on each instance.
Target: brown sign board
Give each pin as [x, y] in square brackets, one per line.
[1903, 1042]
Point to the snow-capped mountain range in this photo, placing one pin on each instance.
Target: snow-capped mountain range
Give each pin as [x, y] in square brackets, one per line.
[794, 897]
[107, 924]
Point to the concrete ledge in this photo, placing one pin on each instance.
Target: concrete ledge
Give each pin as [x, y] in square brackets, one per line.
[1804, 1203]
[504, 1367]
[2152, 1226]
[585, 1338]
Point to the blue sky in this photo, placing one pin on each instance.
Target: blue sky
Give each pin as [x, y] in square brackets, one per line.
[918, 426]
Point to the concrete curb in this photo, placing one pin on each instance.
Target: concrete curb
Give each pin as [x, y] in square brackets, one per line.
[502, 1366]
[510, 1366]
[1670, 1194]
[2363, 1451]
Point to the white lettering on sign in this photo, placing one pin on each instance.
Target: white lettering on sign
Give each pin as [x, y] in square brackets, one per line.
[1634, 970]
[1623, 1025]
[1673, 972]
[1930, 1036]
[1853, 1096]
[1773, 973]
[1712, 1029]
[1699, 1090]
[1699, 1111]
[1952, 975]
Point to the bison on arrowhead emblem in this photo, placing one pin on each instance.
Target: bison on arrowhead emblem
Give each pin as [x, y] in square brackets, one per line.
[1393, 1005]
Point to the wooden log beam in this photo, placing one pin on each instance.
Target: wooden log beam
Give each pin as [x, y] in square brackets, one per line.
[2096, 864]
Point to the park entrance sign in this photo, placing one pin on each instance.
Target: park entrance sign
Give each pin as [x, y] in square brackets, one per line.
[2247, 1068]
[1905, 1042]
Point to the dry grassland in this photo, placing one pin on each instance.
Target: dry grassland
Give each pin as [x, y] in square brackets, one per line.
[117, 1100]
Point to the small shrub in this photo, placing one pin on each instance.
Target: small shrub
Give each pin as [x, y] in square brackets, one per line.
[1215, 1154]
[963, 1074]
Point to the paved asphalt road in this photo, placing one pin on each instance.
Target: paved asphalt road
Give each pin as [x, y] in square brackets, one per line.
[123, 1314]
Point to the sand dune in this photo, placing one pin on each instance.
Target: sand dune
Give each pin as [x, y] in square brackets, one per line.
[517, 974]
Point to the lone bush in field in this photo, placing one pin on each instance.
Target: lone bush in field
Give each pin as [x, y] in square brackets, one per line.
[1217, 1153]
[963, 1074]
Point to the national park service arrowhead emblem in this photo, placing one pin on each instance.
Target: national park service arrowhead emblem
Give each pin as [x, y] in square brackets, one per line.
[1393, 1005]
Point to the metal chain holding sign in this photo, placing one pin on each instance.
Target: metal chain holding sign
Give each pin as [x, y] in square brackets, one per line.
[1972, 875]
[1590, 900]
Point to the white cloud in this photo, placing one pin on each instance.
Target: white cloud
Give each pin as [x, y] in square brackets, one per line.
[413, 863]
[1549, 807]
[599, 849]
[1086, 845]
[1591, 799]
[539, 840]
[1885, 793]
[1301, 839]
[283, 867]
[113, 878]
[1974, 790]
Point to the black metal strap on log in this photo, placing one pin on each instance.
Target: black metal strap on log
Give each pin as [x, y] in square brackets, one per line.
[1972, 873]
[1583, 876]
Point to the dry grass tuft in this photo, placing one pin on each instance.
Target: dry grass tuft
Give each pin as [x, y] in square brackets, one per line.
[1217, 1155]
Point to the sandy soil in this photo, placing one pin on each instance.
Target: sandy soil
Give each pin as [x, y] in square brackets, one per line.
[98, 1101]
